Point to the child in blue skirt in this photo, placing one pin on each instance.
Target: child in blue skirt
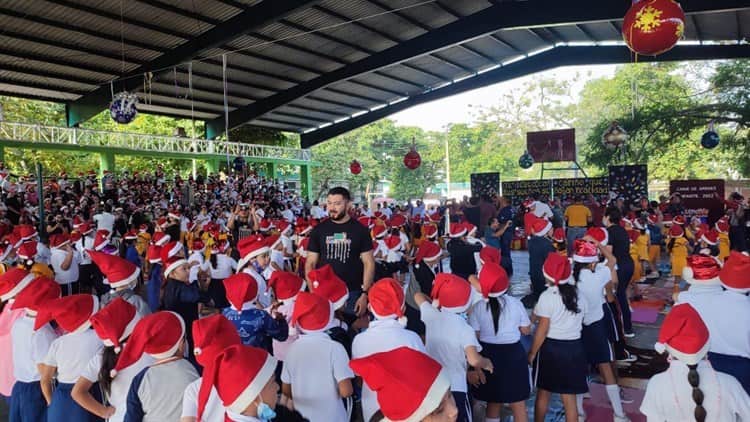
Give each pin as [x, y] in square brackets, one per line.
[499, 321]
[557, 352]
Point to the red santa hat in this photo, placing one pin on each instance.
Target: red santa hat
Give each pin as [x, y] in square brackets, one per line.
[392, 242]
[735, 274]
[366, 221]
[85, 228]
[131, 235]
[159, 335]
[676, 231]
[379, 231]
[679, 219]
[324, 282]
[711, 237]
[558, 235]
[249, 248]
[239, 374]
[493, 280]
[633, 235]
[652, 219]
[118, 271]
[273, 241]
[13, 281]
[409, 384]
[285, 285]
[101, 240]
[26, 231]
[540, 226]
[312, 313]
[283, 226]
[171, 264]
[160, 238]
[429, 231]
[471, 229]
[59, 240]
[153, 254]
[684, 335]
[386, 299]
[197, 245]
[428, 251]
[71, 313]
[529, 203]
[174, 214]
[451, 293]
[211, 335]
[557, 269]
[265, 225]
[115, 322]
[722, 226]
[585, 252]
[143, 228]
[600, 234]
[435, 217]
[457, 230]
[397, 221]
[489, 254]
[241, 289]
[27, 251]
[702, 270]
[40, 291]
[77, 221]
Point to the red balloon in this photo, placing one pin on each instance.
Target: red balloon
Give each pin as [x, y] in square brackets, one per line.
[355, 167]
[412, 159]
[652, 27]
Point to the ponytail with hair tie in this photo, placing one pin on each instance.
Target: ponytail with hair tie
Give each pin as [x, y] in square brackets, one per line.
[694, 380]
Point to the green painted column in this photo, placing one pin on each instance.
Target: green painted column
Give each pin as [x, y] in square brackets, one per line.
[305, 177]
[212, 166]
[106, 162]
[271, 170]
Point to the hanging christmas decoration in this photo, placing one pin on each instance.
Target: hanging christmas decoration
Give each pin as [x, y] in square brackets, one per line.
[355, 167]
[614, 137]
[710, 139]
[652, 27]
[526, 160]
[412, 159]
[123, 107]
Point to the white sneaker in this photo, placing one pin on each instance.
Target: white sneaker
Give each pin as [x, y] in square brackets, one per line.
[620, 419]
[581, 417]
[653, 275]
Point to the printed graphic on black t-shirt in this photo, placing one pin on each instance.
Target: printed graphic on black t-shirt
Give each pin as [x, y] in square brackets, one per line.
[340, 245]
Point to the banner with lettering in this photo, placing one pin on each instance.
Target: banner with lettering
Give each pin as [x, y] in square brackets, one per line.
[564, 189]
[701, 198]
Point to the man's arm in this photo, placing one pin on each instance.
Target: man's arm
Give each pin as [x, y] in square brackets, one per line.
[310, 263]
[368, 274]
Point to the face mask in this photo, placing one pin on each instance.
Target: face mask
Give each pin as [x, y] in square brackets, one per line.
[265, 413]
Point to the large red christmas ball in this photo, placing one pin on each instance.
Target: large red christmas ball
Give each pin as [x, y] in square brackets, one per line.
[652, 27]
[412, 159]
[355, 167]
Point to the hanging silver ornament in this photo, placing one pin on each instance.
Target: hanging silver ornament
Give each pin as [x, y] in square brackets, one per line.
[124, 107]
[614, 137]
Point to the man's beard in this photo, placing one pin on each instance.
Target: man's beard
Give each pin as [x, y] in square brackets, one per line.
[338, 217]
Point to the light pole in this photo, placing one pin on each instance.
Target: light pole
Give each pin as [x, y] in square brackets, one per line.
[447, 169]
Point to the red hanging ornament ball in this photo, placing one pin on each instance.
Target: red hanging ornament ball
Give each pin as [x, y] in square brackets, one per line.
[652, 27]
[412, 159]
[355, 167]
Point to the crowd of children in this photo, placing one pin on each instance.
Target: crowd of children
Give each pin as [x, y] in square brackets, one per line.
[238, 329]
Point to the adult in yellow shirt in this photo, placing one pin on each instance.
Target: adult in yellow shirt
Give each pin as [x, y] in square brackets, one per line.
[577, 218]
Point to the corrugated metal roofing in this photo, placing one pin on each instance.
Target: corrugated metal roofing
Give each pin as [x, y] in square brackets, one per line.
[63, 49]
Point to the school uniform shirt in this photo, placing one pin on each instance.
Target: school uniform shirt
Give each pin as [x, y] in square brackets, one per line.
[71, 354]
[155, 394]
[256, 327]
[29, 348]
[722, 311]
[7, 318]
[225, 266]
[277, 257]
[288, 246]
[200, 265]
[591, 288]
[43, 253]
[236, 417]
[120, 386]
[447, 336]
[214, 410]
[64, 276]
[382, 335]
[82, 245]
[281, 348]
[512, 317]
[263, 297]
[564, 324]
[314, 367]
[128, 295]
[669, 396]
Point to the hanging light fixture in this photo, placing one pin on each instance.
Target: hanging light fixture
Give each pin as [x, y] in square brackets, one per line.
[615, 136]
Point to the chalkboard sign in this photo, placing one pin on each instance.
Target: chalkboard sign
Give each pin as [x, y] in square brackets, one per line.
[559, 188]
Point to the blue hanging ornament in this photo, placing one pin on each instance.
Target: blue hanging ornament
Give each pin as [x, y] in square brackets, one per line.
[123, 107]
[710, 139]
[526, 160]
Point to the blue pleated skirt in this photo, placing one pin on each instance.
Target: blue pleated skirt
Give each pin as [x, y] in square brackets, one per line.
[64, 409]
[27, 403]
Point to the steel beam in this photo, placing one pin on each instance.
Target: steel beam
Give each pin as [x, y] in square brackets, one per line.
[504, 15]
[250, 19]
[560, 56]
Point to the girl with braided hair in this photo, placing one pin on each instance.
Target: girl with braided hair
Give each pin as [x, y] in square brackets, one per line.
[708, 395]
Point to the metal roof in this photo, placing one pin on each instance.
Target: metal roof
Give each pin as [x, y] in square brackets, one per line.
[318, 68]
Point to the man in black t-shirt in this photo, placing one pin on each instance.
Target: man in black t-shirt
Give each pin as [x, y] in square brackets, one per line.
[346, 245]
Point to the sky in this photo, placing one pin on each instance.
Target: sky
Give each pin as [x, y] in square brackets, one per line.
[463, 108]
